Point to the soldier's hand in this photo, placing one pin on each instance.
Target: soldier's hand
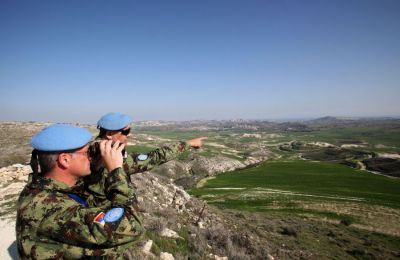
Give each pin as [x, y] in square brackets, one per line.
[197, 142]
[112, 154]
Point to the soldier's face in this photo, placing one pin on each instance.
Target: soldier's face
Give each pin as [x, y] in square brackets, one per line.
[80, 162]
[121, 136]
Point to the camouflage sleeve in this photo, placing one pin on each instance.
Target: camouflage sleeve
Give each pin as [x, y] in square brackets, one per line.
[74, 224]
[142, 162]
[118, 188]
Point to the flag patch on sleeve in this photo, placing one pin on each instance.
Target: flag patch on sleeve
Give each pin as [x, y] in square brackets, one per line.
[100, 218]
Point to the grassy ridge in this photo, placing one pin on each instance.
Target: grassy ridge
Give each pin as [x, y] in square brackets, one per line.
[176, 134]
[305, 180]
[371, 135]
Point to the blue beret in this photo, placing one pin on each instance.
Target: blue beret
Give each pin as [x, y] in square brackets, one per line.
[60, 137]
[114, 121]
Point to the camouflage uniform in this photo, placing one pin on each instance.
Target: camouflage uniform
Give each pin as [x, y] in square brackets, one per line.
[133, 163]
[53, 224]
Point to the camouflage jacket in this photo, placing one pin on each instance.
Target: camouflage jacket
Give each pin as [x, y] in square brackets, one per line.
[55, 221]
[133, 163]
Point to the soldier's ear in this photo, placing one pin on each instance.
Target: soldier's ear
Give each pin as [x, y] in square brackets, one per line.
[64, 160]
[109, 134]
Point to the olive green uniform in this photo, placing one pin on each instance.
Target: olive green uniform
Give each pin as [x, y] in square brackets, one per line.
[53, 224]
[133, 163]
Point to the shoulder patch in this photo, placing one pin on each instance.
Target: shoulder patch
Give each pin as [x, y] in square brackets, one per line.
[142, 157]
[100, 218]
[113, 215]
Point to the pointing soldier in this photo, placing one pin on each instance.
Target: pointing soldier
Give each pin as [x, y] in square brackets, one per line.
[57, 218]
[116, 127]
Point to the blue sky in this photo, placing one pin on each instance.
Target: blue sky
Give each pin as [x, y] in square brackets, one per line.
[73, 61]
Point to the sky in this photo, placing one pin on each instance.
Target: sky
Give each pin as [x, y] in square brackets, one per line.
[73, 61]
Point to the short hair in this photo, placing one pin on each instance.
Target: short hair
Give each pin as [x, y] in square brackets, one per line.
[47, 161]
[102, 132]
[43, 162]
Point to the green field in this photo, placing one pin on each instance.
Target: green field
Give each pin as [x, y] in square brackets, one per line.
[328, 209]
[138, 149]
[283, 183]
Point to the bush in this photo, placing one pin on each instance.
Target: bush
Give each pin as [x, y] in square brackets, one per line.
[287, 231]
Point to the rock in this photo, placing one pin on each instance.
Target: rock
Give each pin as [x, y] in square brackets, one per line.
[200, 224]
[14, 188]
[147, 247]
[214, 165]
[166, 232]
[173, 170]
[216, 257]
[166, 256]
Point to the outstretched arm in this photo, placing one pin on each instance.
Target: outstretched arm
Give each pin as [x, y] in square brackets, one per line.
[143, 162]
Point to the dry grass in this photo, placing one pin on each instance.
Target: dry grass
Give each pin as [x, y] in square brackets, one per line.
[373, 218]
